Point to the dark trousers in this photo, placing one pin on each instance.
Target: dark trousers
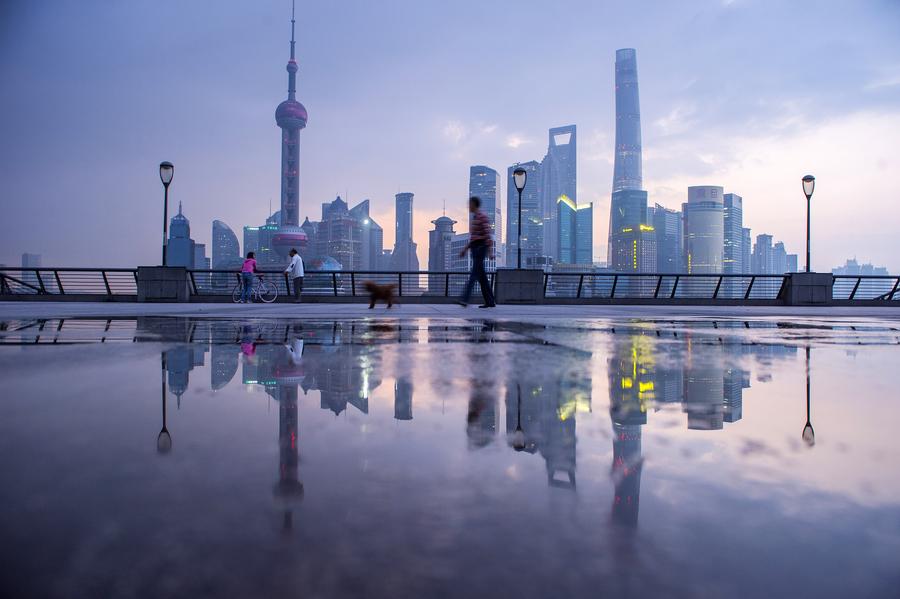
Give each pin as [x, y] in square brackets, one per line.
[478, 274]
[298, 287]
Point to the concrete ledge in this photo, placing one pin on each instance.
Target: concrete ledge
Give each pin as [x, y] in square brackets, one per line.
[519, 286]
[163, 284]
[808, 289]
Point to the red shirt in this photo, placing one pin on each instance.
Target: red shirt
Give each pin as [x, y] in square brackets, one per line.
[480, 228]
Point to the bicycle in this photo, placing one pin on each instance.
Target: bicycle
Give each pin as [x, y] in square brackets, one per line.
[264, 291]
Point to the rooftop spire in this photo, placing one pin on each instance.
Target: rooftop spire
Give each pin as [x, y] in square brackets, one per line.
[292, 63]
[179, 208]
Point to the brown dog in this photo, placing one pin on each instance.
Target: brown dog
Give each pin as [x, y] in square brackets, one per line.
[379, 292]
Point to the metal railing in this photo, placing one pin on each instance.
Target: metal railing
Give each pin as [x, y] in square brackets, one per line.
[121, 284]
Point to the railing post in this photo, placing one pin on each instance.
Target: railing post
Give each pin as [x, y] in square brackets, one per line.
[106, 282]
[855, 287]
[334, 282]
[658, 285]
[784, 286]
[400, 284]
[749, 287]
[353, 284]
[287, 284]
[894, 290]
[612, 293]
[4, 286]
[546, 281]
[59, 282]
[40, 281]
[447, 284]
[718, 285]
[193, 281]
[674, 286]
[580, 283]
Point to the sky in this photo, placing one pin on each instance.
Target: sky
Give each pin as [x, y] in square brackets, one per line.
[405, 95]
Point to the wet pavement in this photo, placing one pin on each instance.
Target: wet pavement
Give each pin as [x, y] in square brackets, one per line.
[410, 457]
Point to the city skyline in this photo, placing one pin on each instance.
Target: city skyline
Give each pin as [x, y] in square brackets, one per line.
[754, 137]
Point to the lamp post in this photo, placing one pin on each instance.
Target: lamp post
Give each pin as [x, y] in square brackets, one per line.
[520, 175]
[166, 172]
[808, 435]
[164, 440]
[809, 184]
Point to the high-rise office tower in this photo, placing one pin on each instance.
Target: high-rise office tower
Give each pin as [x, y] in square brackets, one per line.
[484, 183]
[763, 255]
[532, 216]
[559, 179]
[439, 252]
[733, 254]
[704, 229]
[180, 248]
[629, 226]
[291, 117]
[339, 235]
[627, 166]
[225, 248]
[584, 234]
[575, 225]
[746, 250]
[372, 240]
[669, 230]
[404, 256]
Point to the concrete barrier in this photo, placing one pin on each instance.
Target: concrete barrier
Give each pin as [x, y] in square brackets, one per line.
[808, 289]
[163, 284]
[519, 286]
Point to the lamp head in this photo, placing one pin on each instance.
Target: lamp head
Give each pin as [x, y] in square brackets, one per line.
[809, 184]
[520, 175]
[166, 172]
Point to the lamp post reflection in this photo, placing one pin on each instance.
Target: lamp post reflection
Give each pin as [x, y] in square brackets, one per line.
[518, 438]
[164, 439]
[809, 435]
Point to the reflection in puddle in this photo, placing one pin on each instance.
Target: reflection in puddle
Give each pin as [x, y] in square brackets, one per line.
[443, 446]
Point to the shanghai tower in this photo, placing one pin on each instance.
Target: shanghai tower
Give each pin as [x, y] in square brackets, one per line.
[632, 242]
[627, 169]
[291, 118]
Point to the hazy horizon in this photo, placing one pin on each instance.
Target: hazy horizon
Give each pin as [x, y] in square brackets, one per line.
[405, 96]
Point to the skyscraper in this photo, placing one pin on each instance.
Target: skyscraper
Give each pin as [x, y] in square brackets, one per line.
[669, 238]
[484, 183]
[372, 242]
[704, 229]
[404, 257]
[339, 235]
[291, 117]
[575, 231]
[746, 250]
[439, 252]
[633, 243]
[559, 179]
[225, 248]
[627, 167]
[733, 255]
[180, 248]
[532, 216]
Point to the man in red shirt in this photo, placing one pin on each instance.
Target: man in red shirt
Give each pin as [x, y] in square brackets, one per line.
[480, 243]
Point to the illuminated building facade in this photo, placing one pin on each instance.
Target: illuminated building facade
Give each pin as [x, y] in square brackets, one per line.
[669, 238]
[575, 225]
[372, 239]
[484, 183]
[532, 216]
[704, 230]
[559, 178]
[733, 251]
[404, 257]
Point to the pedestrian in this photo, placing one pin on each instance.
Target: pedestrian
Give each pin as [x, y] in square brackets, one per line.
[295, 270]
[480, 243]
[248, 270]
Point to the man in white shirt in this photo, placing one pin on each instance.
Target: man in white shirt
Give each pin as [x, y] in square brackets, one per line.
[295, 270]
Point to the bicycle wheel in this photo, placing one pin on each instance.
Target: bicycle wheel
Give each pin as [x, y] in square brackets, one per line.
[236, 293]
[267, 291]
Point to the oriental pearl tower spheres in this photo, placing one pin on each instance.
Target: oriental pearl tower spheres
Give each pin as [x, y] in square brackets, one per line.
[291, 118]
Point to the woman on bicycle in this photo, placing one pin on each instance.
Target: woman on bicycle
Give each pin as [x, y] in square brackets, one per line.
[248, 270]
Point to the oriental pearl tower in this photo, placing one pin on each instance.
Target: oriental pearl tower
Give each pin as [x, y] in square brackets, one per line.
[291, 118]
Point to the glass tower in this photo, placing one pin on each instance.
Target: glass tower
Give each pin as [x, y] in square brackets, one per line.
[627, 167]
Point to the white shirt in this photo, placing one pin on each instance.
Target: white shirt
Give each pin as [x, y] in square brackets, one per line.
[296, 267]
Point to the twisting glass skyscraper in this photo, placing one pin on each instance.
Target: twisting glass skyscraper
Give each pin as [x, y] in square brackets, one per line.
[632, 239]
[627, 168]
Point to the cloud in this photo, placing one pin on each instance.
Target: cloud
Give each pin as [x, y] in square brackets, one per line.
[514, 141]
[454, 131]
[677, 121]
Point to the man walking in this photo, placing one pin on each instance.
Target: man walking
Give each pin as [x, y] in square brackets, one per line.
[479, 242]
[295, 270]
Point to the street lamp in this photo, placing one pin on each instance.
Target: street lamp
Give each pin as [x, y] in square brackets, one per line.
[164, 440]
[808, 435]
[519, 178]
[166, 172]
[809, 184]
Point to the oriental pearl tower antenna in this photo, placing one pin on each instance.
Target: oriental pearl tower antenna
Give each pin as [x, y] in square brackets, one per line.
[290, 116]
